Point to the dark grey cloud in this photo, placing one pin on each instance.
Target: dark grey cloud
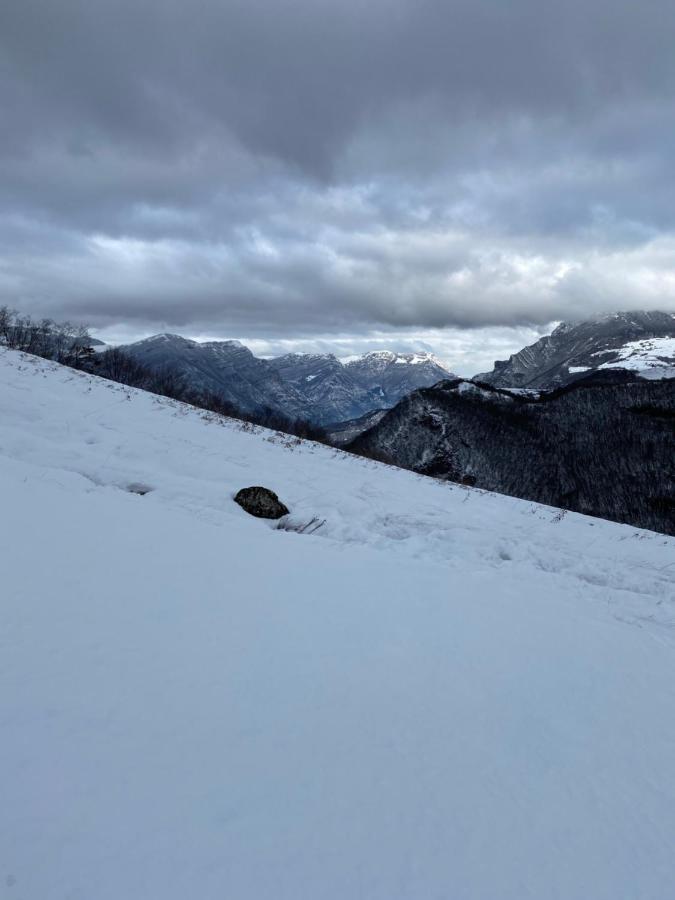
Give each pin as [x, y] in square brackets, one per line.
[297, 169]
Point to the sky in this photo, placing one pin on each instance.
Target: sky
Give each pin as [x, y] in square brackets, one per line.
[444, 175]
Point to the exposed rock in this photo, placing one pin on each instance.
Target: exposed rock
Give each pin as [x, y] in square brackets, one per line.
[261, 502]
[330, 391]
[137, 487]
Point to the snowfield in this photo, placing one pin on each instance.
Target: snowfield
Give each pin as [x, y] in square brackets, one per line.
[440, 693]
[651, 357]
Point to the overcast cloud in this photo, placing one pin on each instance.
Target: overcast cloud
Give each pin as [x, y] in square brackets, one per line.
[315, 174]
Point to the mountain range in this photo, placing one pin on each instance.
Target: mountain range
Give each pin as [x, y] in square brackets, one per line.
[316, 387]
[327, 391]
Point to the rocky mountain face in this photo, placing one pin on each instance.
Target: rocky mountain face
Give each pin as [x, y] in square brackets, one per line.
[226, 368]
[601, 446]
[329, 391]
[390, 376]
[640, 341]
[315, 387]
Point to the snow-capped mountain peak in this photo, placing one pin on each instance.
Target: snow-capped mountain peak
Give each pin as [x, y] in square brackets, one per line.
[165, 338]
[389, 357]
[417, 359]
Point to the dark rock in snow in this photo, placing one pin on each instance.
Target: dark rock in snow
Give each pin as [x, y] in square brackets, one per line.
[261, 502]
[139, 488]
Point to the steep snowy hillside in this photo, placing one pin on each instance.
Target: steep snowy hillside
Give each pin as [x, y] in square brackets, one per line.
[603, 446]
[639, 341]
[651, 357]
[439, 693]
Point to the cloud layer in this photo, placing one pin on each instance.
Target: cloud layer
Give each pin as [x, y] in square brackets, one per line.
[297, 170]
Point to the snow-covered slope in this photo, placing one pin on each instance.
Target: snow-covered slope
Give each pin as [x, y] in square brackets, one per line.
[440, 693]
[651, 357]
[635, 340]
[602, 446]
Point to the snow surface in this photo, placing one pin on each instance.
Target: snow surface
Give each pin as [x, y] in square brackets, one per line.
[389, 356]
[415, 359]
[441, 693]
[651, 357]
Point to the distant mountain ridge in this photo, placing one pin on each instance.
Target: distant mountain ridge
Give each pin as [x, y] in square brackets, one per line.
[635, 340]
[316, 387]
[227, 368]
[329, 393]
[393, 375]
